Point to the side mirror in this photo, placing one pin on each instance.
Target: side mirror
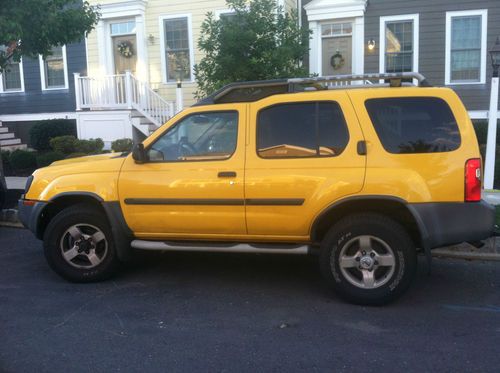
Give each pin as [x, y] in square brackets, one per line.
[138, 153]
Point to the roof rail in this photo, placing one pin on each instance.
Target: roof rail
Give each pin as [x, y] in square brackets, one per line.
[255, 90]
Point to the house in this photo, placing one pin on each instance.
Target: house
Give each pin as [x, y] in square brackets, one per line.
[138, 54]
[445, 40]
[38, 89]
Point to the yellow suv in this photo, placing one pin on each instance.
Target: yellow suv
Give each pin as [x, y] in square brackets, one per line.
[364, 176]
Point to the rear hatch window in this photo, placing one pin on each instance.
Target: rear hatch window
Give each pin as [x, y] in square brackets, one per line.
[408, 125]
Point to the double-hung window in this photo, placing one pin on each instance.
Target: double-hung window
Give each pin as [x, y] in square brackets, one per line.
[399, 43]
[177, 48]
[11, 79]
[466, 47]
[53, 69]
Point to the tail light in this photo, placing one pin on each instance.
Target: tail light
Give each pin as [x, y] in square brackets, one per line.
[473, 180]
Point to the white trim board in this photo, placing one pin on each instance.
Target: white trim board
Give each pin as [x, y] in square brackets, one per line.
[480, 114]
[319, 10]
[41, 62]
[416, 32]
[484, 39]
[161, 20]
[37, 116]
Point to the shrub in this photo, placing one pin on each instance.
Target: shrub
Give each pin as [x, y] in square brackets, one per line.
[75, 155]
[22, 160]
[45, 159]
[64, 144]
[122, 145]
[43, 131]
[92, 146]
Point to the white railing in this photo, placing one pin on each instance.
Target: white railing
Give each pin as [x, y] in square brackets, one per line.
[122, 91]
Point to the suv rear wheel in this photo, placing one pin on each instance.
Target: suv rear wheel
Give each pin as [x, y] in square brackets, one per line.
[368, 259]
[78, 245]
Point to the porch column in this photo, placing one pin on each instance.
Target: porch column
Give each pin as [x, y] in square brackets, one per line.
[315, 50]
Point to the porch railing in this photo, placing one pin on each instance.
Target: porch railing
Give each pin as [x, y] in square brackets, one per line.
[122, 91]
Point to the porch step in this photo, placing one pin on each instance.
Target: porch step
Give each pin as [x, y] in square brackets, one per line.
[10, 142]
[6, 135]
[11, 148]
[3, 129]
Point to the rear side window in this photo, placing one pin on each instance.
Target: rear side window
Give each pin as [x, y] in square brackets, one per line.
[309, 129]
[414, 124]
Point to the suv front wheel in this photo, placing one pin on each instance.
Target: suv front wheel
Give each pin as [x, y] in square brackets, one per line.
[78, 245]
[368, 259]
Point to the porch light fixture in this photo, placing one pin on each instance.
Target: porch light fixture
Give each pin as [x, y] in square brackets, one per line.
[371, 44]
[495, 57]
[151, 39]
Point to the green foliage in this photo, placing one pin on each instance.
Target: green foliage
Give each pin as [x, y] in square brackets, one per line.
[92, 146]
[258, 42]
[122, 145]
[43, 131]
[70, 144]
[45, 159]
[32, 27]
[22, 160]
[64, 144]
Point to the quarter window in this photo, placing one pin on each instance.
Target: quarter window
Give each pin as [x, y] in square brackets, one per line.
[199, 137]
[414, 124]
[311, 129]
[177, 49]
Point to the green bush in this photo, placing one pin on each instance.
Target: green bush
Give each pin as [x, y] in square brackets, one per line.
[64, 144]
[92, 146]
[43, 131]
[75, 155]
[122, 145]
[22, 160]
[45, 159]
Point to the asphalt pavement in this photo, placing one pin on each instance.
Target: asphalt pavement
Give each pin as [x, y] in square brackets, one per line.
[189, 312]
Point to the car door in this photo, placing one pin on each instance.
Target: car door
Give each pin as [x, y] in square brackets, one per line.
[191, 186]
[301, 157]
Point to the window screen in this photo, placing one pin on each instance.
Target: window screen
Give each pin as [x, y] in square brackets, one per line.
[414, 124]
[312, 129]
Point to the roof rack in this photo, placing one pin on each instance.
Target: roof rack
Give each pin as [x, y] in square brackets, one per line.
[256, 90]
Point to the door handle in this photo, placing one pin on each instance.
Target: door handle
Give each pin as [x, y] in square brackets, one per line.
[226, 174]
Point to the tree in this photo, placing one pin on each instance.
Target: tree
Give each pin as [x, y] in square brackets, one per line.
[256, 41]
[32, 27]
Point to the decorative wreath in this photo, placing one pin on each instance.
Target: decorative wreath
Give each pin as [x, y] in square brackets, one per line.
[125, 49]
[337, 61]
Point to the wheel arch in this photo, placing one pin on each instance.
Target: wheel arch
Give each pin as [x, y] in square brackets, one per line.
[393, 207]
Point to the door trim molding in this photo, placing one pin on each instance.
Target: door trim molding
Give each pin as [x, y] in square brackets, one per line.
[216, 201]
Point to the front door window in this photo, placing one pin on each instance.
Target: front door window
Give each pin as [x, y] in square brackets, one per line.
[336, 45]
[124, 43]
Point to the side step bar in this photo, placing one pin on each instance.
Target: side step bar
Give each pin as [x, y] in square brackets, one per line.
[220, 247]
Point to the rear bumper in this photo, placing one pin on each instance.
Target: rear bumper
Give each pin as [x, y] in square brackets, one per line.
[449, 223]
[29, 214]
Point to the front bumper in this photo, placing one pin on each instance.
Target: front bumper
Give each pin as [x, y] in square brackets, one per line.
[448, 223]
[29, 213]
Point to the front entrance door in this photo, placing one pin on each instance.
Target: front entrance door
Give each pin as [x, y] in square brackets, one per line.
[336, 48]
[124, 44]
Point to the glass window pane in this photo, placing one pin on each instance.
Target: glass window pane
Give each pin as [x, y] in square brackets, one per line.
[414, 124]
[301, 130]
[177, 49]
[119, 28]
[465, 49]
[399, 46]
[326, 30]
[199, 137]
[12, 77]
[54, 69]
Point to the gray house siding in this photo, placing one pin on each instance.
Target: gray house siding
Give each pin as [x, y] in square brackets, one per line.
[432, 33]
[33, 100]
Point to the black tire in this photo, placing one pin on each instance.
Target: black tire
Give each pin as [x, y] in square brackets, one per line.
[382, 233]
[80, 215]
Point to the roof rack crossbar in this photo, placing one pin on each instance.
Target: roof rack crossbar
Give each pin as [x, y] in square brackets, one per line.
[292, 83]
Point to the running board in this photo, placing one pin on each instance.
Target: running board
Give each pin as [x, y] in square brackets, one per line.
[220, 247]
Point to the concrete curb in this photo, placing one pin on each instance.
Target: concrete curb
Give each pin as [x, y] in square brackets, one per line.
[9, 218]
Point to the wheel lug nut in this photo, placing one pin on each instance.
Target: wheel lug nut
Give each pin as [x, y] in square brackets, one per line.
[376, 263]
[372, 254]
[363, 252]
[358, 259]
